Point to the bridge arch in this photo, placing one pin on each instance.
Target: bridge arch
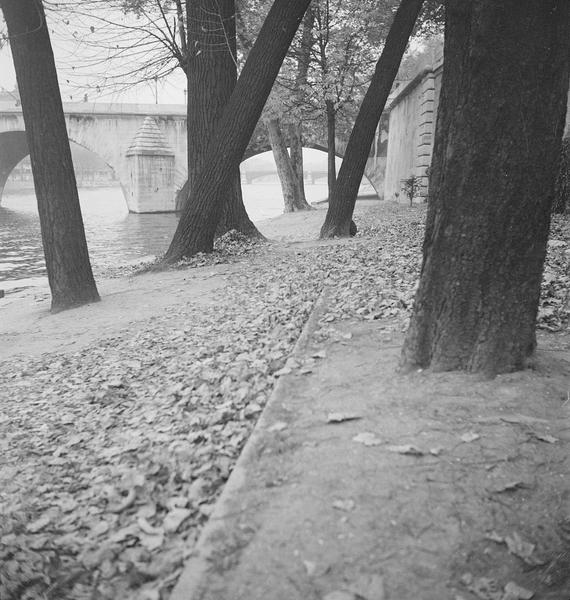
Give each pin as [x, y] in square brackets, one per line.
[14, 148]
[373, 172]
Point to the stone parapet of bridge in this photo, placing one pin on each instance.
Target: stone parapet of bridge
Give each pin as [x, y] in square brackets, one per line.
[411, 131]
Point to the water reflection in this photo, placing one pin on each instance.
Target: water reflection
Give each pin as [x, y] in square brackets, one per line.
[114, 236]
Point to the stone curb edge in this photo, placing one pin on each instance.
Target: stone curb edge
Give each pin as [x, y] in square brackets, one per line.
[188, 585]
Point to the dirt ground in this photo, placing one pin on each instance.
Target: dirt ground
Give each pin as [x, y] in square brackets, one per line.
[436, 486]
[357, 483]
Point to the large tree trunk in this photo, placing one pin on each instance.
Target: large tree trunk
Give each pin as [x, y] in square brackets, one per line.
[65, 248]
[283, 163]
[211, 74]
[491, 184]
[331, 146]
[201, 215]
[343, 197]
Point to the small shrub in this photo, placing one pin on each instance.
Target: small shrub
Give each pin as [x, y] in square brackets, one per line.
[411, 186]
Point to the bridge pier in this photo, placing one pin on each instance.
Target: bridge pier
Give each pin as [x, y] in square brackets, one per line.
[150, 163]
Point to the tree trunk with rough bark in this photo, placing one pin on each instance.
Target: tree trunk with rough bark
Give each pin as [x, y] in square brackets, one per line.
[211, 73]
[296, 155]
[201, 215]
[331, 146]
[562, 187]
[343, 197]
[491, 185]
[296, 129]
[65, 248]
[285, 171]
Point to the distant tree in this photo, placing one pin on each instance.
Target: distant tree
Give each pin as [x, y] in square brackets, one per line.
[282, 110]
[65, 248]
[291, 180]
[345, 191]
[491, 185]
[203, 211]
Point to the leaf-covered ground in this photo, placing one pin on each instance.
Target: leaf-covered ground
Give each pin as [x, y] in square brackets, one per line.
[111, 457]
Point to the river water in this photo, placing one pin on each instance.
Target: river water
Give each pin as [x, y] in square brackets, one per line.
[114, 236]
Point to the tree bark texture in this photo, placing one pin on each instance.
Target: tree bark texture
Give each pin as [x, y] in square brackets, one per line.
[498, 135]
[285, 171]
[211, 74]
[562, 186]
[296, 128]
[296, 156]
[331, 146]
[65, 248]
[343, 197]
[201, 215]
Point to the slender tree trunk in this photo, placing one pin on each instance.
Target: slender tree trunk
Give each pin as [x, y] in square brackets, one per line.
[491, 184]
[201, 215]
[285, 171]
[296, 129]
[296, 154]
[343, 197]
[65, 248]
[212, 74]
[331, 146]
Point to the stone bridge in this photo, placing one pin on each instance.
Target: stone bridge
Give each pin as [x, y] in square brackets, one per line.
[147, 155]
[145, 145]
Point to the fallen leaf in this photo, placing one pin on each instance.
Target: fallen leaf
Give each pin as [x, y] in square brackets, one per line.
[345, 505]
[310, 567]
[340, 417]
[549, 439]
[436, 451]
[511, 487]
[406, 449]
[471, 436]
[100, 528]
[367, 438]
[147, 528]
[175, 518]
[125, 503]
[495, 537]
[279, 426]
[519, 547]
[151, 542]
[516, 592]
[38, 524]
[283, 371]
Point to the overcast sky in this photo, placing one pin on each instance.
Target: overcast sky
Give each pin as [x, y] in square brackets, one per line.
[76, 79]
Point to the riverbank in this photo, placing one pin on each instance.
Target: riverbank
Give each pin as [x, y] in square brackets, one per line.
[122, 421]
